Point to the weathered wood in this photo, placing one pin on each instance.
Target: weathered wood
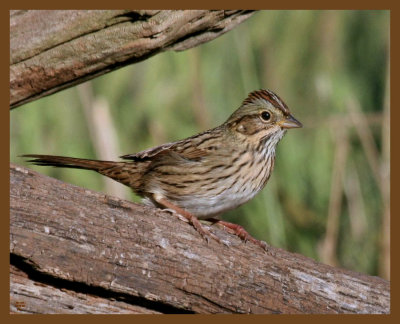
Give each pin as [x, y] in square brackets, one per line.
[29, 297]
[83, 237]
[55, 49]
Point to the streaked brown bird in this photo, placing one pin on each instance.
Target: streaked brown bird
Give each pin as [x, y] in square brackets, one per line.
[205, 175]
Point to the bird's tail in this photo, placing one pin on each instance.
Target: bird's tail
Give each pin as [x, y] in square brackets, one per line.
[127, 173]
[69, 162]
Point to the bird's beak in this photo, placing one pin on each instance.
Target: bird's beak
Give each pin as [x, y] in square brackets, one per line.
[290, 122]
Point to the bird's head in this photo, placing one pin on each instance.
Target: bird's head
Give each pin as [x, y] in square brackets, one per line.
[261, 116]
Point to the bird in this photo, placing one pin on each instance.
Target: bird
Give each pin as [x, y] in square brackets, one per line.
[207, 174]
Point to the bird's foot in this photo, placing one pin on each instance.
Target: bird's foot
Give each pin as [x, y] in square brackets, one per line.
[242, 234]
[188, 217]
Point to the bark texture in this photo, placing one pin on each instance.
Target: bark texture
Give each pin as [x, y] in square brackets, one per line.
[28, 296]
[75, 250]
[54, 49]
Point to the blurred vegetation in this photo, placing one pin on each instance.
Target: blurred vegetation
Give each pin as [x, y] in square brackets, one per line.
[327, 197]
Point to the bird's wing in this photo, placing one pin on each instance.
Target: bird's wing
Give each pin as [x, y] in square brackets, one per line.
[146, 154]
[186, 152]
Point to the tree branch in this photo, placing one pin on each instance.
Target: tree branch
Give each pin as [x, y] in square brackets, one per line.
[55, 49]
[117, 250]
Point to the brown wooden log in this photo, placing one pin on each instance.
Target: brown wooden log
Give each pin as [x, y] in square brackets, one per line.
[29, 296]
[88, 241]
[54, 49]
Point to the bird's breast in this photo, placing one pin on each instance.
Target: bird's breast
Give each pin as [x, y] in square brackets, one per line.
[228, 186]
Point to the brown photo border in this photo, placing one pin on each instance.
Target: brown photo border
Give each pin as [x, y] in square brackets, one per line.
[158, 4]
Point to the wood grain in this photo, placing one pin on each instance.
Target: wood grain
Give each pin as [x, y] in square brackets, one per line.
[29, 296]
[55, 49]
[87, 238]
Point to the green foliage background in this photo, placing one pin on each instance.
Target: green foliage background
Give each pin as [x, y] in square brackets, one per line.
[315, 60]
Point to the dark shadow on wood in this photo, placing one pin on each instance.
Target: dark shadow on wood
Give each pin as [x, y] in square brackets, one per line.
[29, 269]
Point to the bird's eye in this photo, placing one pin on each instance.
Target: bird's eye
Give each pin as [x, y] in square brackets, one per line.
[265, 115]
